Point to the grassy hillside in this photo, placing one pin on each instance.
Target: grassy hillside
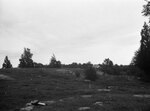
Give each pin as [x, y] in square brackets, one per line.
[56, 84]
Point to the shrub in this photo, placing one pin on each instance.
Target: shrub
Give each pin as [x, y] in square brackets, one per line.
[77, 74]
[90, 74]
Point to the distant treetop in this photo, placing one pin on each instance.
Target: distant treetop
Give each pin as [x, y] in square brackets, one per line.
[7, 63]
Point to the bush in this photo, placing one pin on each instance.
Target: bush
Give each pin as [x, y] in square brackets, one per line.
[90, 74]
[77, 74]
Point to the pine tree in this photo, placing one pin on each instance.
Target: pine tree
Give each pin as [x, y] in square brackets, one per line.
[26, 59]
[142, 56]
[7, 63]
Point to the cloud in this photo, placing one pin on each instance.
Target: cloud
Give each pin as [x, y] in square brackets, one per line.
[76, 30]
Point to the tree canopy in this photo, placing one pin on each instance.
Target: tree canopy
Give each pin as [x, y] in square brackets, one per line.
[26, 59]
[141, 58]
[107, 62]
[7, 63]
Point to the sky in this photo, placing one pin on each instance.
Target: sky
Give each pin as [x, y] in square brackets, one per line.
[74, 30]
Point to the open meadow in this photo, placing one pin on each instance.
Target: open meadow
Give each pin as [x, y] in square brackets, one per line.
[61, 90]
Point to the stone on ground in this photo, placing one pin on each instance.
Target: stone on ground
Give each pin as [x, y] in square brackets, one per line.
[98, 103]
[84, 108]
[105, 90]
[142, 96]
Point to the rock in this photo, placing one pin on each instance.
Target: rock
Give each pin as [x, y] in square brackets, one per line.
[84, 108]
[34, 102]
[99, 103]
[142, 96]
[106, 90]
[42, 104]
[28, 104]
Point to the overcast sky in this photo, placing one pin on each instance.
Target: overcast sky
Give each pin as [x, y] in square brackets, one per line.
[74, 30]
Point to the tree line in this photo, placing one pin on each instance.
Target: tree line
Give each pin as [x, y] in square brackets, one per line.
[108, 67]
[26, 61]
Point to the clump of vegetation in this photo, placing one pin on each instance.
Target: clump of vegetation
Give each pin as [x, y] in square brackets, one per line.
[77, 74]
[90, 74]
[26, 59]
[54, 63]
[38, 65]
[7, 63]
[107, 66]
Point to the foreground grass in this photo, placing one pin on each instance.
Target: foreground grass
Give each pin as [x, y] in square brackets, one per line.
[51, 84]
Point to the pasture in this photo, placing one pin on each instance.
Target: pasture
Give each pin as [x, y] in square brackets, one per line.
[68, 93]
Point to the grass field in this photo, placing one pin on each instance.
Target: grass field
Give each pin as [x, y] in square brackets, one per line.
[70, 93]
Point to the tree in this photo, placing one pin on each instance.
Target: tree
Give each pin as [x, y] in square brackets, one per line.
[107, 66]
[26, 59]
[7, 63]
[107, 62]
[54, 63]
[141, 58]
